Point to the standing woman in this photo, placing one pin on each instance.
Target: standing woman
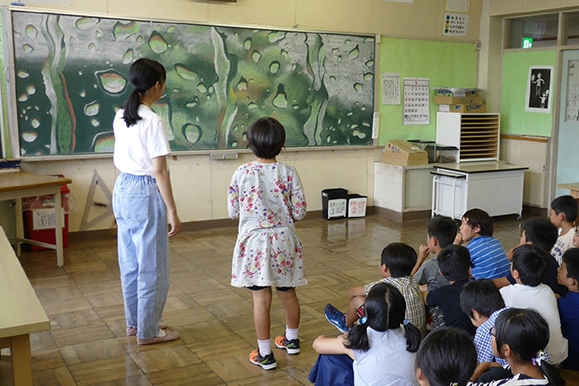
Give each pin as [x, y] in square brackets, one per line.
[142, 203]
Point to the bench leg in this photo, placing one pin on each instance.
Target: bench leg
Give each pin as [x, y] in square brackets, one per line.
[21, 360]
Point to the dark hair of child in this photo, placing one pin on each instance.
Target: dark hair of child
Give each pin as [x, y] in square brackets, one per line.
[143, 74]
[571, 260]
[447, 356]
[541, 232]
[481, 295]
[454, 263]
[566, 205]
[400, 258]
[532, 264]
[526, 333]
[266, 137]
[443, 229]
[480, 218]
[384, 309]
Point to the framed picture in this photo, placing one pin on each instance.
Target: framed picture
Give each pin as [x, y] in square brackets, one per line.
[539, 89]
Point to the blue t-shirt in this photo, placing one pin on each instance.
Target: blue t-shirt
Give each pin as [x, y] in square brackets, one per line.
[488, 258]
[569, 313]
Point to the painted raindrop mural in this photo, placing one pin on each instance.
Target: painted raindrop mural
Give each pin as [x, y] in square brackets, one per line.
[71, 78]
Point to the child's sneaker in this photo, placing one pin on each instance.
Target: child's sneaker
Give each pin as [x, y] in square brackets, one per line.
[267, 362]
[291, 346]
[336, 318]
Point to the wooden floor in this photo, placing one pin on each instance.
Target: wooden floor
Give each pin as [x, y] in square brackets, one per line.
[87, 344]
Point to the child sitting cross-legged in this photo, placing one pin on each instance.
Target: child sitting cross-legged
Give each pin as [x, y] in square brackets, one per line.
[529, 266]
[378, 351]
[569, 305]
[454, 263]
[397, 262]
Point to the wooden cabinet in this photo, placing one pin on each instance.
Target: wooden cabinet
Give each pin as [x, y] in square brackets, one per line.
[475, 135]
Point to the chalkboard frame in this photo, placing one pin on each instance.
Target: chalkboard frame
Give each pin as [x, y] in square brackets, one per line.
[356, 130]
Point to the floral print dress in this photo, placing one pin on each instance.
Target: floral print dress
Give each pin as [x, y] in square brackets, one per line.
[267, 198]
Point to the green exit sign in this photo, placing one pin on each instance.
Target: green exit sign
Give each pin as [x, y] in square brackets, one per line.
[527, 43]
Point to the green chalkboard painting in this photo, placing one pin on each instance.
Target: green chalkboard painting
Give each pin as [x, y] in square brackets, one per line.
[71, 78]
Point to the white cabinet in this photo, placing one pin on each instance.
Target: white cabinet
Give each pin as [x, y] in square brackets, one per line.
[475, 135]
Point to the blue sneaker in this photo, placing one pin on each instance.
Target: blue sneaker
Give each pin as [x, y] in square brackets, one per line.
[336, 318]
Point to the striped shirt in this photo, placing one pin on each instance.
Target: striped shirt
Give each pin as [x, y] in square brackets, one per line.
[488, 258]
[415, 309]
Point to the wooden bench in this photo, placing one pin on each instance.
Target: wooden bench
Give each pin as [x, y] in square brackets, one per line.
[20, 313]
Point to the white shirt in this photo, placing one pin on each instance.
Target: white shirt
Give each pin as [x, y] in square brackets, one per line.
[563, 243]
[387, 363]
[541, 299]
[137, 145]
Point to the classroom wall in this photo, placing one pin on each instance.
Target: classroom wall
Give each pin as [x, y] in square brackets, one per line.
[514, 7]
[200, 184]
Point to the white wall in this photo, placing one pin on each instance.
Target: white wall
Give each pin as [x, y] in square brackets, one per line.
[200, 184]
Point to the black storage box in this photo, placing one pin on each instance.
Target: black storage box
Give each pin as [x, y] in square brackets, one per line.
[335, 203]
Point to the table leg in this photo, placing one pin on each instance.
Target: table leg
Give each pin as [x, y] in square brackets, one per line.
[59, 224]
[19, 226]
[21, 360]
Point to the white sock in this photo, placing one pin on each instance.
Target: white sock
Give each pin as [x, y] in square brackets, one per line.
[264, 347]
[161, 334]
[291, 333]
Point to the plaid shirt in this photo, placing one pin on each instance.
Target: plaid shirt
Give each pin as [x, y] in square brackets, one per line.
[482, 342]
[415, 309]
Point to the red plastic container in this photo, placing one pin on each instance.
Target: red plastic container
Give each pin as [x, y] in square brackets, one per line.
[39, 219]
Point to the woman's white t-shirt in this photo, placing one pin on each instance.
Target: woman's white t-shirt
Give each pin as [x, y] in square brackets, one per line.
[137, 145]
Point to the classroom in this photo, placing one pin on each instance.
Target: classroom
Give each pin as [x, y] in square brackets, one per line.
[409, 38]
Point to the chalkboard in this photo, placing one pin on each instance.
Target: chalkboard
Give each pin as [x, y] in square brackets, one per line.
[71, 77]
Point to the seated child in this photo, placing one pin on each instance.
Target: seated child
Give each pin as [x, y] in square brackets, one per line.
[397, 262]
[569, 305]
[446, 357]
[520, 336]
[483, 303]
[454, 263]
[563, 214]
[487, 255]
[441, 232]
[530, 264]
[378, 351]
[542, 233]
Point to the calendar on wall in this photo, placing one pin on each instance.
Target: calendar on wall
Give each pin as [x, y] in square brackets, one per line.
[416, 109]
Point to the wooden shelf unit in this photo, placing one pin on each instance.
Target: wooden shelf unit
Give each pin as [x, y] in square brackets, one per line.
[475, 135]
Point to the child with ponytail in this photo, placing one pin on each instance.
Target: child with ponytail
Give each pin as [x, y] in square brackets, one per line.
[378, 351]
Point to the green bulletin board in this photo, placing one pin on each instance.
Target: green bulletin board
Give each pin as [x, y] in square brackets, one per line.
[514, 118]
[71, 77]
[443, 63]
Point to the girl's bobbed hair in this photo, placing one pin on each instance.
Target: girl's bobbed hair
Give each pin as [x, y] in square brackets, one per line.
[384, 310]
[447, 356]
[266, 137]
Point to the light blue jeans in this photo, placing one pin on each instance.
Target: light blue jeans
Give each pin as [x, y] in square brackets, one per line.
[143, 250]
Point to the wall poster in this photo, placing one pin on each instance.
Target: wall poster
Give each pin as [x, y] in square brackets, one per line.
[539, 89]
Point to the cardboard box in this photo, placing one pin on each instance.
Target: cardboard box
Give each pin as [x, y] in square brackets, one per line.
[452, 100]
[404, 153]
[482, 108]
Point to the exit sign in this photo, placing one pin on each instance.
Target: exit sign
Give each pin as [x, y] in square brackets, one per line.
[527, 43]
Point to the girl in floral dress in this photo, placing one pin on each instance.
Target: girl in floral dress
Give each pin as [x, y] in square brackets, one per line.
[267, 197]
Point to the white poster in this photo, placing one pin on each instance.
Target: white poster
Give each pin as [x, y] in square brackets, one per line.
[572, 102]
[461, 6]
[416, 101]
[455, 24]
[390, 88]
[539, 89]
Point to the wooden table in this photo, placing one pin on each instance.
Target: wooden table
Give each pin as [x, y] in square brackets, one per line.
[574, 188]
[20, 313]
[18, 185]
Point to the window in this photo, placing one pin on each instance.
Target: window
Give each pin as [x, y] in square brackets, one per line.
[572, 28]
[541, 30]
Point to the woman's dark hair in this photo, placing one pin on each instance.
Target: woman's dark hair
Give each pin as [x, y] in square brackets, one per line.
[532, 264]
[482, 296]
[478, 217]
[447, 356]
[266, 137]
[143, 74]
[526, 333]
[454, 262]
[384, 309]
[400, 258]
